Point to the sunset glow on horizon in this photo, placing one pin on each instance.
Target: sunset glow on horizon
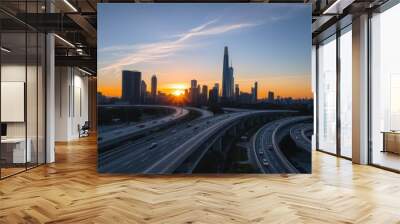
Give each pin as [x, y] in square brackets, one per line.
[181, 42]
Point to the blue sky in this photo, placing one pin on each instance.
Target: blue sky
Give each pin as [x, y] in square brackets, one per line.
[268, 43]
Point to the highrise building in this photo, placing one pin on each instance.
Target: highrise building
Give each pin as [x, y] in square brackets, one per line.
[213, 95]
[237, 92]
[143, 91]
[131, 82]
[154, 87]
[193, 84]
[232, 83]
[227, 77]
[216, 86]
[271, 96]
[204, 93]
[255, 97]
[193, 91]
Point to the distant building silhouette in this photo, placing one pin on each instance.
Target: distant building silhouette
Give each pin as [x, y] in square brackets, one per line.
[143, 91]
[254, 91]
[237, 92]
[246, 98]
[154, 88]
[271, 96]
[204, 94]
[131, 86]
[216, 86]
[193, 92]
[214, 94]
[227, 77]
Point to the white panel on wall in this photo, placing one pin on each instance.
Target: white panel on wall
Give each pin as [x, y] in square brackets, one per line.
[12, 101]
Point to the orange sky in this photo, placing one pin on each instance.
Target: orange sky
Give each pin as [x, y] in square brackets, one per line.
[282, 85]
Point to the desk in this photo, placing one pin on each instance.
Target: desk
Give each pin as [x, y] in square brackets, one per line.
[391, 141]
[13, 150]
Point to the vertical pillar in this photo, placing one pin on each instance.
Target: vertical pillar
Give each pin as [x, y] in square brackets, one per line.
[50, 99]
[50, 92]
[360, 89]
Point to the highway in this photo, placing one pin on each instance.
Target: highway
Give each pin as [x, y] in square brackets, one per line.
[298, 133]
[137, 156]
[265, 149]
[115, 136]
[164, 151]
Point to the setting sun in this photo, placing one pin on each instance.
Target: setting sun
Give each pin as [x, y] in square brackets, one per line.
[178, 92]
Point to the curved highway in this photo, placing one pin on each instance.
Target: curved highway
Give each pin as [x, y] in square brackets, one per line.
[164, 151]
[299, 136]
[265, 149]
[137, 156]
[109, 138]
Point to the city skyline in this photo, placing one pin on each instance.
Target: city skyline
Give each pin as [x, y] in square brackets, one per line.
[287, 80]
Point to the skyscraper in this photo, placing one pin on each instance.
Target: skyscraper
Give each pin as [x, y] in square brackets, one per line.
[204, 93]
[193, 91]
[227, 76]
[143, 91]
[255, 92]
[154, 87]
[131, 82]
[213, 95]
[271, 96]
[237, 91]
[193, 84]
[232, 83]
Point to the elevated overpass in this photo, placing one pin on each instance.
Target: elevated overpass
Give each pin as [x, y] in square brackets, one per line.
[266, 152]
[299, 134]
[113, 137]
[209, 138]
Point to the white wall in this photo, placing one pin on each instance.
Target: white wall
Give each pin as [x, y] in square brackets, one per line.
[71, 94]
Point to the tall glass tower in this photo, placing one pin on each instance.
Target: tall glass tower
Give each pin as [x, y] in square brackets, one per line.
[227, 77]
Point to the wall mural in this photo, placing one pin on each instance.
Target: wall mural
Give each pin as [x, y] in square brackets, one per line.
[204, 88]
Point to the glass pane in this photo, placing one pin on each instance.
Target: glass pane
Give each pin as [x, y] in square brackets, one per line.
[13, 86]
[346, 93]
[31, 98]
[385, 84]
[41, 98]
[327, 95]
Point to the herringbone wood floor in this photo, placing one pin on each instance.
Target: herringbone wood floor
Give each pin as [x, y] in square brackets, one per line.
[71, 191]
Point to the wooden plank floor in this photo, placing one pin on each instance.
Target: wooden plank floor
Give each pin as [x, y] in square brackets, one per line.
[71, 191]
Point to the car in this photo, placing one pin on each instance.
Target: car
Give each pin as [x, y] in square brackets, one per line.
[153, 145]
[141, 126]
[173, 131]
[265, 163]
[261, 152]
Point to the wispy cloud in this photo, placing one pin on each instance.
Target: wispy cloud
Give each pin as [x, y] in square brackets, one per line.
[155, 51]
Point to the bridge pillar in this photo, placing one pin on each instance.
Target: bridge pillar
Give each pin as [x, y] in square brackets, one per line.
[233, 131]
[217, 146]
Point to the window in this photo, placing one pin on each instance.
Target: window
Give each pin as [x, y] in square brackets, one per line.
[327, 95]
[22, 88]
[385, 89]
[346, 92]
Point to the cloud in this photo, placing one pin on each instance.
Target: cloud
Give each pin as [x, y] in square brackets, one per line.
[154, 51]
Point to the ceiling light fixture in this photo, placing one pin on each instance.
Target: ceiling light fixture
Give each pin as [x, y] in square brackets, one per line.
[5, 50]
[64, 40]
[70, 5]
